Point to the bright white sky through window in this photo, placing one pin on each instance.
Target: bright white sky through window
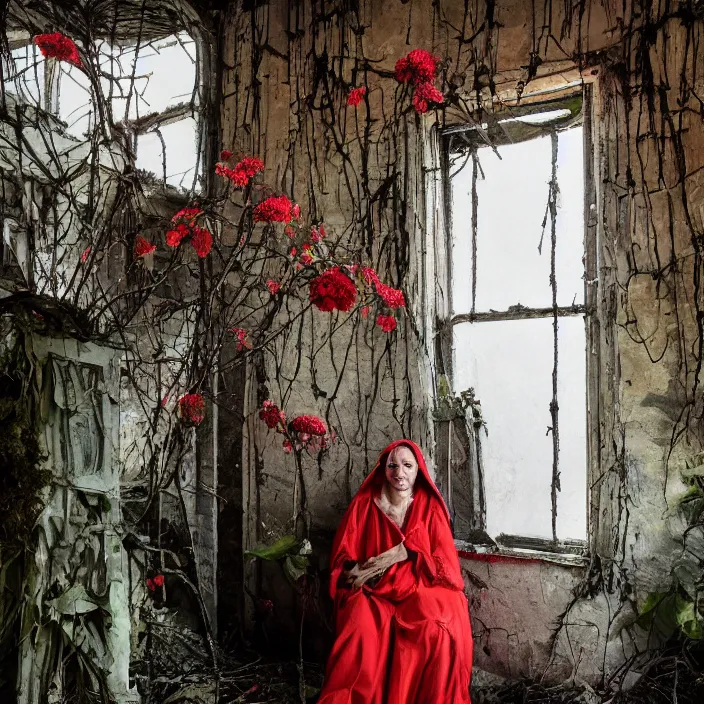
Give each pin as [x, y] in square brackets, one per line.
[161, 75]
[509, 363]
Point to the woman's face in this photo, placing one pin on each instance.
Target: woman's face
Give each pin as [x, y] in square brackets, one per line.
[401, 468]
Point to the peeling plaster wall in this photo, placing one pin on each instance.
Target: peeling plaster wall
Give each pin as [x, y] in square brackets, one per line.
[289, 66]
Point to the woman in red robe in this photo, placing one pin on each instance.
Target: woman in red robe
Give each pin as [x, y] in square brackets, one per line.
[402, 621]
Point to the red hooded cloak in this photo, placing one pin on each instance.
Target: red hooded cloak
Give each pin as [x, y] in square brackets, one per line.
[407, 639]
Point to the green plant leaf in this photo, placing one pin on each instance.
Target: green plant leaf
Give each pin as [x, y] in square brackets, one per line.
[295, 566]
[684, 611]
[651, 602]
[282, 547]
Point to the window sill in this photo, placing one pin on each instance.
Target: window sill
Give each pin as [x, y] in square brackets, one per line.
[502, 554]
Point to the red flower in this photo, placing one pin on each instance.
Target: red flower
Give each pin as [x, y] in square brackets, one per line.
[273, 286]
[164, 401]
[241, 336]
[333, 290]
[276, 209]
[386, 322]
[317, 234]
[191, 409]
[426, 93]
[202, 241]
[309, 425]
[290, 231]
[243, 171]
[187, 214]
[265, 605]
[247, 168]
[418, 66]
[288, 447]
[57, 46]
[365, 311]
[356, 95]
[225, 155]
[174, 237]
[142, 247]
[156, 581]
[293, 252]
[307, 256]
[223, 170]
[85, 254]
[391, 296]
[272, 415]
[370, 276]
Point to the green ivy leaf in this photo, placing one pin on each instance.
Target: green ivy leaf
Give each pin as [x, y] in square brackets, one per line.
[282, 547]
[651, 602]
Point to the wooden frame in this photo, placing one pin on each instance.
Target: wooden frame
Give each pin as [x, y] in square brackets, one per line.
[468, 138]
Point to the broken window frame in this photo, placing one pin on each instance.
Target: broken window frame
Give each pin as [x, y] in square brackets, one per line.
[201, 106]
[195, 108]
[468, 424]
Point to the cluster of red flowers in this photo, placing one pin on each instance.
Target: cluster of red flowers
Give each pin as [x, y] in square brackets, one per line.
[309, 425]
[333, 290]
[59, 47]
[156, 581]
[202, 241]
[317, 233]
[142, 247]
[185, 228]
[310, 433]
[242, 341]
[273, 286]
[386, 322]
[370, 276]
[419, 69]
[276, 209]
[356, 95]
[187, 215]
[191, 409]
[426, 93]
[243, 172]
[392, 297]
[273, 416]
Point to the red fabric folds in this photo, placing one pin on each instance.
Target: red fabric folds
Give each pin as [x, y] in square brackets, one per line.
[406, 640]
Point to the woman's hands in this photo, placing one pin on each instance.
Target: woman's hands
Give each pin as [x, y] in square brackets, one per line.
[375, 566]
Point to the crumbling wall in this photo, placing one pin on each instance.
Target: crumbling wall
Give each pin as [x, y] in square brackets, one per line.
[364, 172]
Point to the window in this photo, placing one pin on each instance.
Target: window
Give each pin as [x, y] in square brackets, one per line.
[151, 88]
[519, 319]
[137, 106]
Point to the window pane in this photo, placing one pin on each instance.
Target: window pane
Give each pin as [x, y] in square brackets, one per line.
[76, 107]
[509, 364]
[26, 75]
[181, 152]
[164, 75]
[512, 198]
